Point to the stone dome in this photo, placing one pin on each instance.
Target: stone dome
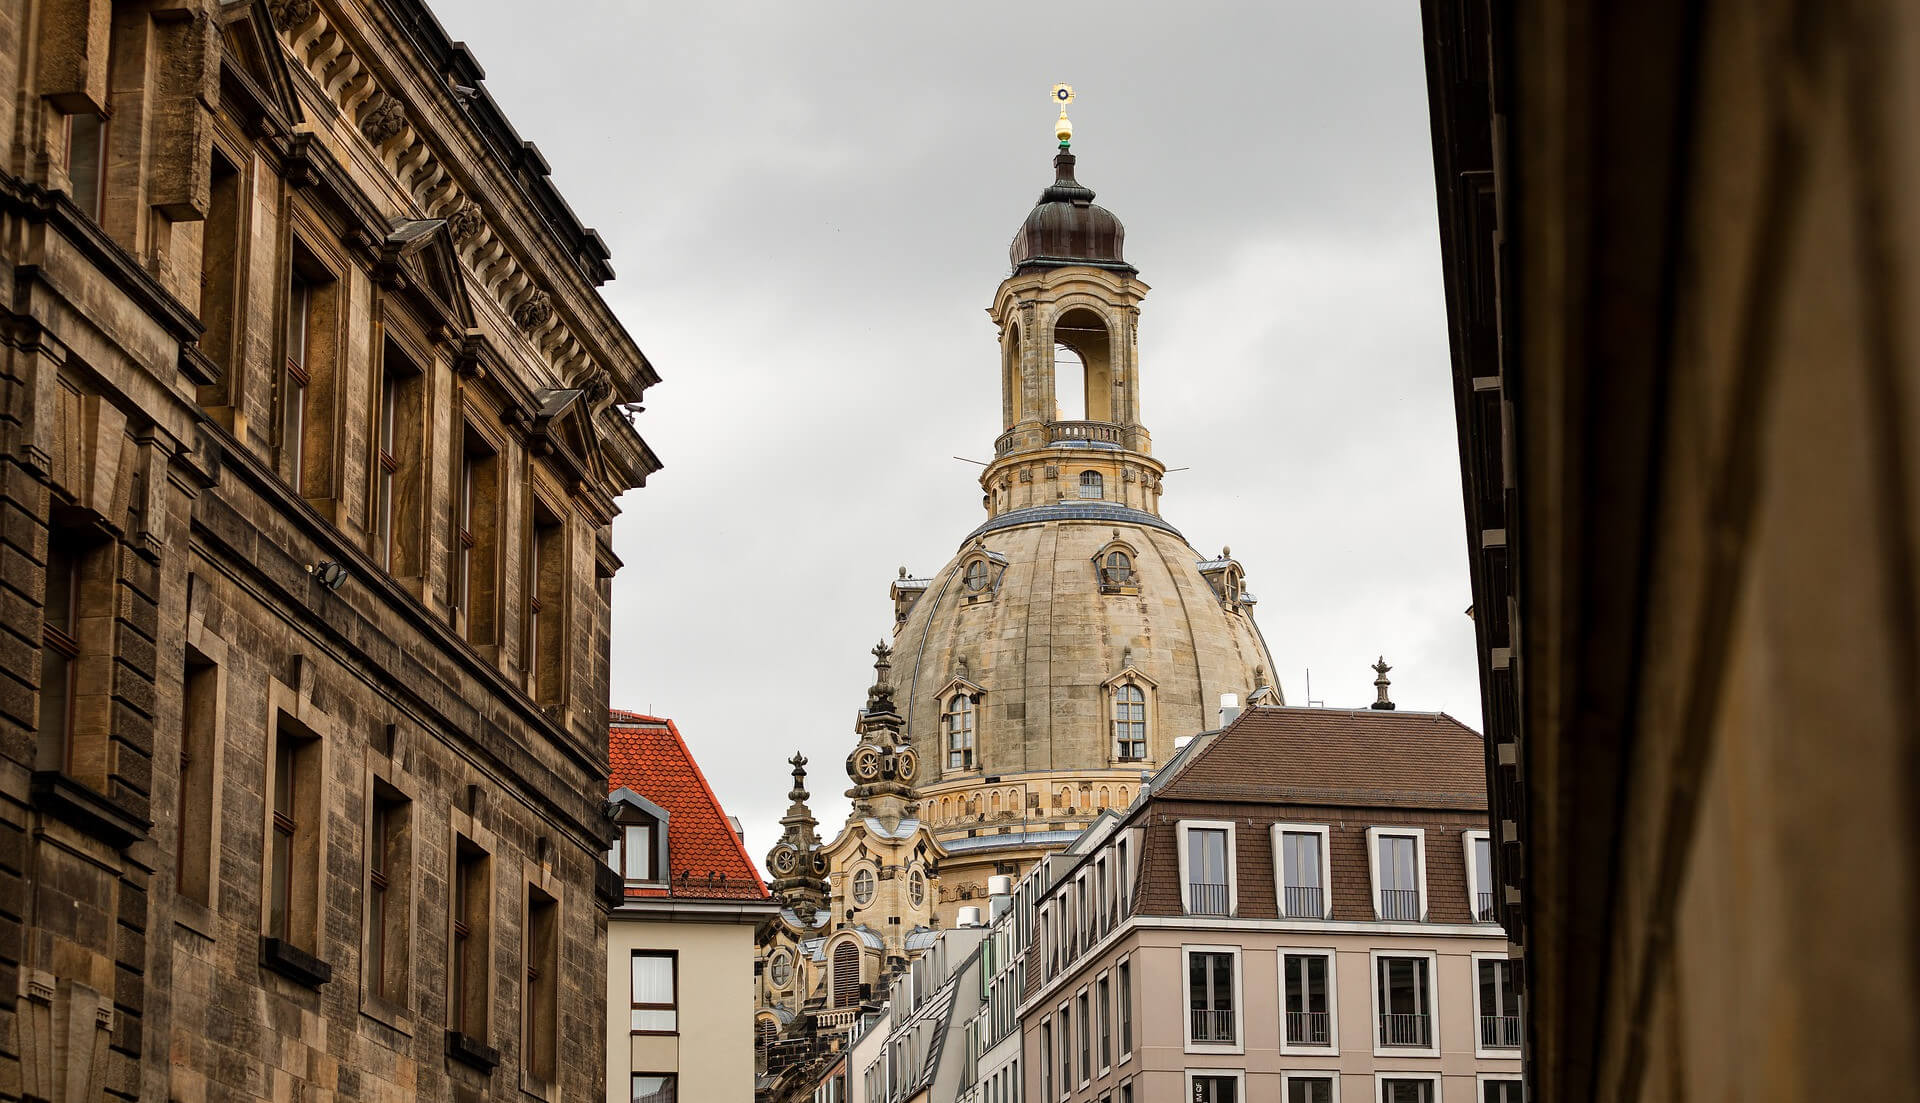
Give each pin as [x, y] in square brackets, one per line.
[1065, 227]
[1041, 644]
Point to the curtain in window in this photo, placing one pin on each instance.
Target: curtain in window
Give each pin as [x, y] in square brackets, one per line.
[653, 992]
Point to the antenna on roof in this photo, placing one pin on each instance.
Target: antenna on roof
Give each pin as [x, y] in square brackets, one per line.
[1311, 703]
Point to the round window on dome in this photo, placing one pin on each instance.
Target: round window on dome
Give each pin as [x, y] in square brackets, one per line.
[976, 579]
[862, 887]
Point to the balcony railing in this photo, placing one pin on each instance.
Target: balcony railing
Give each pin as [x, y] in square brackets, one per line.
[1483, 907]
[834, 1020]
[1084, 430]
[1400, 904]
[1213, 1026]
[1206, 899]
[1499, 1030]
[1303, 902]
[1307, 1028]
[1406, 1030]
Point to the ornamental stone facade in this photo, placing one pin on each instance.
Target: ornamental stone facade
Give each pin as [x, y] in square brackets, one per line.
[306, 560]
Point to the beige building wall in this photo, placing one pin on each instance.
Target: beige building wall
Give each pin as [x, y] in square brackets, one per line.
[712, 1054]
[1160, 1059]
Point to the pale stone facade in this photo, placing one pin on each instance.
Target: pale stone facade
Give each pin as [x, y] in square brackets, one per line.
[307, 465]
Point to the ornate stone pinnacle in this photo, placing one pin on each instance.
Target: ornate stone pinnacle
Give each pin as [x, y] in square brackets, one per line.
[799, 791]
[1380, 683]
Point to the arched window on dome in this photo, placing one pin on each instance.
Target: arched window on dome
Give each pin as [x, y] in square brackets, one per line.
[1092, 485]
[958, 724]
[993, 805]
[1129, 723]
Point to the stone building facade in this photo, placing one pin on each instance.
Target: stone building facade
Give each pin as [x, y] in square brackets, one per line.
[308, 462]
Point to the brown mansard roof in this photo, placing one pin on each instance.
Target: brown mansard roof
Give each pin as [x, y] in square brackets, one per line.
[1338, 756]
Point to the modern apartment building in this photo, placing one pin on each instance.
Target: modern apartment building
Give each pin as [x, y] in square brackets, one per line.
[1296, 909]
[680, 945]
[924, 1055]
[992, 1070]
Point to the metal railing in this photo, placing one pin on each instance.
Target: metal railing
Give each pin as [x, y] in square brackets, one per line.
[1307, 1028]
[1303, 902]
[1084, 430]
[1206, 899]
[1483, 907]
[1400, 904]
[1213, 1026]
[1406, 1030]
[1500, 1030]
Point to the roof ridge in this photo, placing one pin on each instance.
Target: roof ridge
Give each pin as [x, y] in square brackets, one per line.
[739, 845]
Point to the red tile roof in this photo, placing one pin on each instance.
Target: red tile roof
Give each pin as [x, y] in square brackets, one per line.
[705, 858]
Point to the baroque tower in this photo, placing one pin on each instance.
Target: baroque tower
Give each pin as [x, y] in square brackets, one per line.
[1075, 634]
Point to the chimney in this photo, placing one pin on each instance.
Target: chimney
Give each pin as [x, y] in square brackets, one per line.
[1000, 884]
[1229, 708]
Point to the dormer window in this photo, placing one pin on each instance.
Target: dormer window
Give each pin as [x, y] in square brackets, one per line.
[958, 724]
[1113, 568]
[977, 577]
[1117, 570]
[980, 574]
[1092, 485]
[1129, 723]
[633, 855]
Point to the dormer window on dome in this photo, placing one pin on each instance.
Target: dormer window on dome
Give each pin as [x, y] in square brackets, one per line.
[980, 575]
[1228, 581]
[905, 593]
[1113, 566]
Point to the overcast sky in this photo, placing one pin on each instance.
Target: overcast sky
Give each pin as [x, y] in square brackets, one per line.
[809, 207]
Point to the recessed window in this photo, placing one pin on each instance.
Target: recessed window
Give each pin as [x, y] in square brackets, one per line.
[655, 993]
[296, 379]
[1215, 1087]
[1104, 997]
[540, 953]
[1397, 868]
[1309, 1088]
[87, 163]
[654, 1087]
[1407, 1090]
[1303, 873]
[862, 887]
[1307, 986]
[1117, 570]
[1499, 1004]
[1499, 1091]
[958, 722]
[1086, 1040]
[1210, 1004]
[1405, 994]
[1126, 1009]
[469, 993]
[846, 965]
[546, 612]
[1129, 723]
[917, 888]
[1092, 485]
[1480, 874]
[977, 576]
[389, 880]
[780, 969]
[1207, 871]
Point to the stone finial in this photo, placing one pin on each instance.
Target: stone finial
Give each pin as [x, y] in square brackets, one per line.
[880, 694]
[903, 572]
[384, 122]
[1380, 684]
[798, 793]
[1226, 552]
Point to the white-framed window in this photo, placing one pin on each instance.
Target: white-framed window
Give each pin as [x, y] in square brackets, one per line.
[1206, 867]
[1397, 868]
[1123, 970]
[1083, 1017]
[1129, 723]
[1405, 1017]
[958, 722]
[1124, 876]
[1217, 1085]
[1478, 847]
[1492, 1087]
[1496, 1007]
[1211, 979]
[1309, 1004]
[1103, 1001]
[1301, 862]
[1064, 1031]
[1092, 485]
[1046, 1059]
[1406, 1087]
[1310, 1086]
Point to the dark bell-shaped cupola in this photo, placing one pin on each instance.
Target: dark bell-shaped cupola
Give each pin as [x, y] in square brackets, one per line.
[1066, 227]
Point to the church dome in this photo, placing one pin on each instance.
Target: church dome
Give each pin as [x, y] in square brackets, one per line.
[1066, 227]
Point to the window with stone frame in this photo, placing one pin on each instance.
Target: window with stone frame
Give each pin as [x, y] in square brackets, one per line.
[73, 626]
[476, 500]
[546, 604]
[389, 901]
[470, 923]
[194, 845]
[398, 468]
[540, 953]
[293, 851]
[1129, 722]
[221, 260]
[1092, 485]
[86, 143]
[958, 722]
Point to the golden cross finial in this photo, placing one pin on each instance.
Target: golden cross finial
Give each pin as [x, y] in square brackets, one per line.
[1063, 129]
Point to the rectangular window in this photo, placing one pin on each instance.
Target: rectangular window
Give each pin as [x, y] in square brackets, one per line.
[1207, 871]
[1407, 1091]
[654, 1087]
[1046, 1060]
[389, 904]
[220, 261]
[1398, 869]
[1406, 1002]
[1215, 1089]
[1126, 1009]
[1309, 1089]
[655, 993]
[1499, 1091]
[1499, 1004]
[1210, 997]
[540, 1042]
[1066, 1050]
[476, 546]
[468, 990]
[386, 460]
[295, 380]
[1086, 1040]
[293, 883]
[1303, 895]
[633, 852]
[1308, 991]
[547, 572]
[59, 651]
[87, 163]
[1482, 858]
[1104, 993]
[193, 843]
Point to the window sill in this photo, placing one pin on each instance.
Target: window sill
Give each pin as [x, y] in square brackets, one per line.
[79, 805]
[190, 914]
[472, 1052]
[392, 1015]
[654, 1033]
[290, 961]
